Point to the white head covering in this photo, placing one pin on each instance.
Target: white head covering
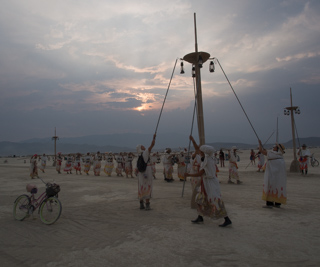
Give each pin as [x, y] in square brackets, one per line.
[209, 154]
[208, 150]
[139, 149]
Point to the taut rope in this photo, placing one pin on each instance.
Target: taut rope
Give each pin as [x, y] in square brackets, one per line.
[166, 96]
[238, 99]
[194, 111]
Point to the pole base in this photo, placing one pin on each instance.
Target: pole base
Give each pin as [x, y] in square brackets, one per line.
[295, 166]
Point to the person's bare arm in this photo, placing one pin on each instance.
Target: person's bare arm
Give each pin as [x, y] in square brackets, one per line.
[152, 143]
[261, 149]
[195, 145]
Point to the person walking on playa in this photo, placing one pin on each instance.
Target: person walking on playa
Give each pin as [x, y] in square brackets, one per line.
[145, 179]
[167, 166]
[233, 167]
[68, 164]
[208, 199]
[221, 158]
[153, 160]
[77, 163]
[181, 165]
[304, 155]
[87, 163]
[43, 162]
[128, 158]
[109, 164]
[97, 158]
[260, 157]
[275, 177]
[59, 163]
[34, 167]
[119, 159]
[252, 157]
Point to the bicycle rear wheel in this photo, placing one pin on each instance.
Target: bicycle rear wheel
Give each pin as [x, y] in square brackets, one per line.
[21, 207]
[315, 163]
[50, 210]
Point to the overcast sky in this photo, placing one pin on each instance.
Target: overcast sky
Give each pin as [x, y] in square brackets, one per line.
[102, 67]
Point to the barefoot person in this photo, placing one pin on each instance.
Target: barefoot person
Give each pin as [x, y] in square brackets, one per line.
[208, 200]
[145, 179]
[275, 177]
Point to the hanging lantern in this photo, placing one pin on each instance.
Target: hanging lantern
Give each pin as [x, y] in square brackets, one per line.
[211, 66]
[200, 62]
[193, 71]
[181, 68]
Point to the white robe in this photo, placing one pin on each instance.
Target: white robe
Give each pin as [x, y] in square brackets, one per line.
[145, 179]
[275, 179]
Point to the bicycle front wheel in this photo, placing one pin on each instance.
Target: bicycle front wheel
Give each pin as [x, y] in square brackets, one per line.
[50, 210]
[21, 207]
[315, 163]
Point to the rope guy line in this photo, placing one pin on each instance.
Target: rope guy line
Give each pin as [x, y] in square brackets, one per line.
[188, 153]
[165, 96]
[238, 100]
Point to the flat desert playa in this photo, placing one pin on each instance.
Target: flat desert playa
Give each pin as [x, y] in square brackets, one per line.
[101, 223]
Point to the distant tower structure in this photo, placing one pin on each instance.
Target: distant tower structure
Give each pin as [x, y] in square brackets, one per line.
[294, 167]
[55, 138]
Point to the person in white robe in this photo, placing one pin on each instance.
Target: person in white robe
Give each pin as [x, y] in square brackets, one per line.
[120, 164]
[109, 164]
[145, 179]
[304, 156]
[261, 160]
[233, 166]
[97, 158]
[275, 177]
[68, 164]
[153, 160]
[77, 163]
[43, 162]
[34, 167]
[208, 199]
[181, 165]
[87, 163]
[167, 165]
[195, 163]
[128, 158]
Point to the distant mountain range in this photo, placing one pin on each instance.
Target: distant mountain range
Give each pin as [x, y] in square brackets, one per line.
[121, 143]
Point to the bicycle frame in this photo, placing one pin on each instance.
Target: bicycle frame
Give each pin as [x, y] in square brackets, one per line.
[36, 202]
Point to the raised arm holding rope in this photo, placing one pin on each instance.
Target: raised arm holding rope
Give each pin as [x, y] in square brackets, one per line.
[208, 199]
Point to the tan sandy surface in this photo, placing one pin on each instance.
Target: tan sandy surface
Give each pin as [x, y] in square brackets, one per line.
[101, 224]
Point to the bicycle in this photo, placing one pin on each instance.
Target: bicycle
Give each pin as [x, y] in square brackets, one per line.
[48, 203]
[313, 161]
